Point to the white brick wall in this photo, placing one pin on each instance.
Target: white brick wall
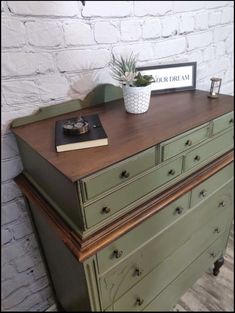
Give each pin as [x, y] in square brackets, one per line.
[53, 51]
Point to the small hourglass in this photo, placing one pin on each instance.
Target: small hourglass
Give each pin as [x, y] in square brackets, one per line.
[215, 87]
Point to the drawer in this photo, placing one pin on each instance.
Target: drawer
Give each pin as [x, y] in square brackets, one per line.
[114, 202]
[170, 296]
[216, 146]
[170, 260]
[144, 232]
[154, 228]
[118, 174]
[184, 142]
[209, 186]
[223, 122]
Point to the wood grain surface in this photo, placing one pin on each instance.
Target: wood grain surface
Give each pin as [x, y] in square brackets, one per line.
[128, 134]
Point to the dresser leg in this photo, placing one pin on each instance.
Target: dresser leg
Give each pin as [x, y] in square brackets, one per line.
[217, 265]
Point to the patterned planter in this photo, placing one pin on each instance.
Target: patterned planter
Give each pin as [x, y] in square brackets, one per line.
[136, 99]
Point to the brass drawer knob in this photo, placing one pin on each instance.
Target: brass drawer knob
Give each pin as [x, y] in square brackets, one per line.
[231, 121]
[139, 301]
[124, 174]
[203, 193]
[171, 172]
[138, 271]
[179, 210]
[222, 204]
[217, 230]
[212, 255]
[117, 253]
[188, 143]
[197, 158]
[106, 210]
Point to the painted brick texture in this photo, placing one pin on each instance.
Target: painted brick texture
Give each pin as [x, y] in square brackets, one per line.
[53, 51]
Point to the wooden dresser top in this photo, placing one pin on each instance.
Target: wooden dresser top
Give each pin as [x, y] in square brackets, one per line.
[128, 134]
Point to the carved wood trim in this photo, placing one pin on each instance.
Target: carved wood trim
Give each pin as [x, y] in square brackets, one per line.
[83, 249]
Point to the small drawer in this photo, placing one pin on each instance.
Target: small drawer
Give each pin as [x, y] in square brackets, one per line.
[223, 122]
[146, 289]
[114, 202]
[214, 147]
[118, 174]
[119, 249]
[205, 189]
[184, 142]
[172, 255]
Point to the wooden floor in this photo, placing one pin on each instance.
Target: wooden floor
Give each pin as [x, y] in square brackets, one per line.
[213, 293]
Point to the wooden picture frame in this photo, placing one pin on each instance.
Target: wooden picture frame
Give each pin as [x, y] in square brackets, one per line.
[172, 77]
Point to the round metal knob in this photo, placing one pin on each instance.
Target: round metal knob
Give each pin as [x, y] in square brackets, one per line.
[222, 204]
[171, 172]
[124, 174]
[117, 253]
[197, 158]
[188, 143]
[139, 301]
[216, 230]
[138, 271]
[106, 210]
[231, 121]
[203, 193]
[212, 254]
[179, 210]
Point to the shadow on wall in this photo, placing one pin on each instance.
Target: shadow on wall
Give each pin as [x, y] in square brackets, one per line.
[83, 83]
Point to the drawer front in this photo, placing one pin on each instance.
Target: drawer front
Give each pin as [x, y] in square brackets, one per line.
[216, 146]
[205, 189]
[118, 174]
[144, 232]
[223, 122]
[105, 207]
[183, 142]
[153, 228]
[172, 258]
[169, 297]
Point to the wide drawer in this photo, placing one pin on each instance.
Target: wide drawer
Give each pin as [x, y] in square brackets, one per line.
[216, 146]
[209, 186]
[112, 203]
[117, 174]
[140, 235]
[184, 142]
[169, 297]
[223, 122]
[172, 257]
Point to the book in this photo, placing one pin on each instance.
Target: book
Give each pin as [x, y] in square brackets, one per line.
[96, 136]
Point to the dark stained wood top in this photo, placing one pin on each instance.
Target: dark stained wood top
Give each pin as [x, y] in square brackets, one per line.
[128, 134]
[84, 248]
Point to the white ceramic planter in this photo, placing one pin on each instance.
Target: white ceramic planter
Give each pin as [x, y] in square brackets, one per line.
[136, 99]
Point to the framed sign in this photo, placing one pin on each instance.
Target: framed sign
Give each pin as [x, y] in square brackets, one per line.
[172, 77]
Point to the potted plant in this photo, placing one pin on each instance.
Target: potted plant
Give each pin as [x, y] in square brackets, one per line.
[136, 87]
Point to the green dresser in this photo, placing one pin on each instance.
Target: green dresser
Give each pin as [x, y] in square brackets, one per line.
[131, 226]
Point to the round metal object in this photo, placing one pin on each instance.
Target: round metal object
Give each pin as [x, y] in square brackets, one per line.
[76, 126]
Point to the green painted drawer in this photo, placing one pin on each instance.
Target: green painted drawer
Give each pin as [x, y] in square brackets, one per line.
[153, 283]
[114, 202]
[169, 297]
[171, 260]
[118, 174]
[184, 142]
[154, 228]
[209, 186]
[223, 122]
[141, 234]
[216, 146]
